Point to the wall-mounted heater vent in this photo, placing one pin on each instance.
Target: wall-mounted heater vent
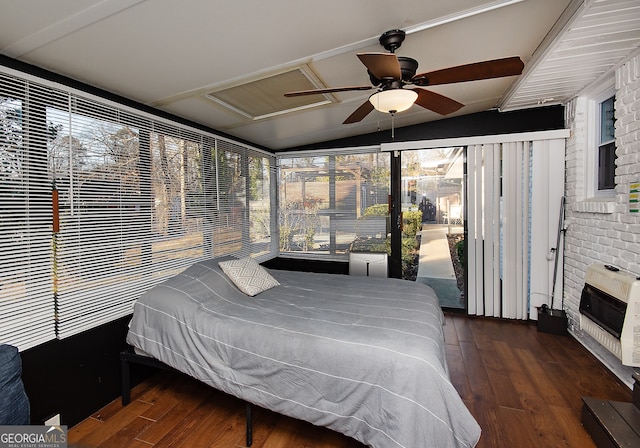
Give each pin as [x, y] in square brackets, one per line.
[610, 311]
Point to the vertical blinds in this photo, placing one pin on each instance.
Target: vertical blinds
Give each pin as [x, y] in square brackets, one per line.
[498, 191]
[513, 196]
[139, 200]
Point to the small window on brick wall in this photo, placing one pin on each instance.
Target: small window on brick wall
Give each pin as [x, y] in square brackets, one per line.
[606, 153]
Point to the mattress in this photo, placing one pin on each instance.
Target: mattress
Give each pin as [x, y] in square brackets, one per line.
[363, 356]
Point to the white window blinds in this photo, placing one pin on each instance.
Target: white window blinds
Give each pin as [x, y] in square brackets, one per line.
[139, 200]
[26, 302]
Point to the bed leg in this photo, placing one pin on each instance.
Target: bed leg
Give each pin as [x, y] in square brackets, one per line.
[126, 384]
[249, 425]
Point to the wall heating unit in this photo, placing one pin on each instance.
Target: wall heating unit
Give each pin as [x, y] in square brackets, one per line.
[610, 311]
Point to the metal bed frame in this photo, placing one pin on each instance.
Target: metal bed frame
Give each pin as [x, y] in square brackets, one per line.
[129, 356]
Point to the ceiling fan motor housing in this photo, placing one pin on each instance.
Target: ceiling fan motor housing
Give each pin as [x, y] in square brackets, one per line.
[408, 67]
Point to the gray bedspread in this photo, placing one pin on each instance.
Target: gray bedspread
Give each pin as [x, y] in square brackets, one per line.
[363, 356]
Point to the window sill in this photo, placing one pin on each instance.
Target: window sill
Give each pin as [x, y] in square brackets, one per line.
[604, 206]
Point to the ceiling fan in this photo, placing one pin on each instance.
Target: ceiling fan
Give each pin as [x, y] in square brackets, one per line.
[389, 74]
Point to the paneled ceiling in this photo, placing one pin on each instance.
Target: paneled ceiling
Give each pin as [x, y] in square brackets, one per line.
[227, 64]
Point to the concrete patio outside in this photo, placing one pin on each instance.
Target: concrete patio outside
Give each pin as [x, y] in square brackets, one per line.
[435, 267]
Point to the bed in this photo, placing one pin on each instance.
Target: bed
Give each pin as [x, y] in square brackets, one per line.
[363, 356]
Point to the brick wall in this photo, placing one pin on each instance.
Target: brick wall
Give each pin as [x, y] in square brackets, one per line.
[601, 231]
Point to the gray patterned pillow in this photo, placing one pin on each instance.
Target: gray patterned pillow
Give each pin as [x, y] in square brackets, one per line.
[248, 275]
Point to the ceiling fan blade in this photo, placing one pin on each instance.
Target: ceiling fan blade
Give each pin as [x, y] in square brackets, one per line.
[382, 65]
[436, 102]
[361, 112]
[328, 90]
[496, 68]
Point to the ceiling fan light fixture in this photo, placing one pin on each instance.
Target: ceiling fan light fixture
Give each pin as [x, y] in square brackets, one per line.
[393, 100]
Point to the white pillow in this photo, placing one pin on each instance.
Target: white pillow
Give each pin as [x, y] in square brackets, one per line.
[248, 275]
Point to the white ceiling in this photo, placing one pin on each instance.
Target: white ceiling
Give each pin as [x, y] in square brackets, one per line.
[170, 54]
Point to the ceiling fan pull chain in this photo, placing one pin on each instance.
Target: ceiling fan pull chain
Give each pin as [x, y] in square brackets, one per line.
[393, 133]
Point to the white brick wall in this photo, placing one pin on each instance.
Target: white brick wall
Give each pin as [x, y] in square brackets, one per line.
[601, 231]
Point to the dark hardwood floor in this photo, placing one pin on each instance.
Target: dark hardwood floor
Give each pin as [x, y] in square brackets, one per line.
[524, 388]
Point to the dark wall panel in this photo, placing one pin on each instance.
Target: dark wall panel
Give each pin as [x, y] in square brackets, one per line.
[76, 376]
[482, 123]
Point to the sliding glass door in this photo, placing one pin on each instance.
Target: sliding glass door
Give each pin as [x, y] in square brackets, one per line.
[433, 196]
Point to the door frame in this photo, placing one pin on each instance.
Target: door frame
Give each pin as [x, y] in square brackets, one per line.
[539, 271]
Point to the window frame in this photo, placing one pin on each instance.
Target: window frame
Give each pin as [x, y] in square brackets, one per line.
[55, 310]
[593, 124]
[287, 156]
[26, 300]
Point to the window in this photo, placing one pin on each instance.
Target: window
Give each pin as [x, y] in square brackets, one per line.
[259, 200]
[100, 203]
[26, 301]
[601, 154]
[333, 203]
[606, 145]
